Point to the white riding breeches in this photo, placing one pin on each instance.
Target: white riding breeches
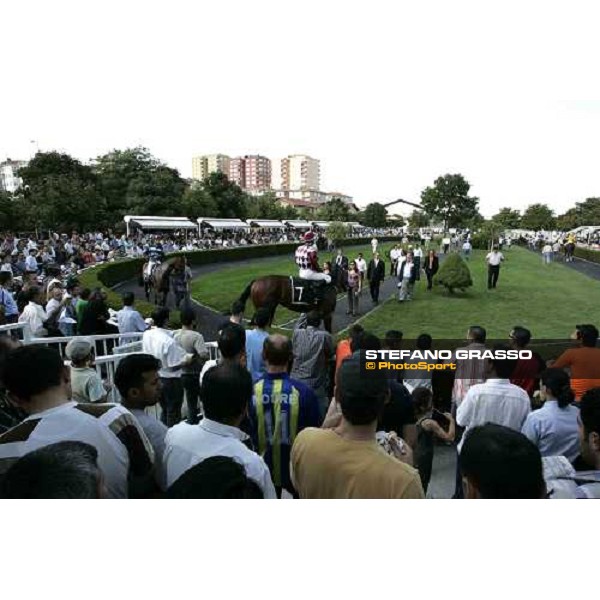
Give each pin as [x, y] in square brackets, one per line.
[313, 275]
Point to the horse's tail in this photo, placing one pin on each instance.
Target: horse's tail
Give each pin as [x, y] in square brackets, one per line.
[246, 293]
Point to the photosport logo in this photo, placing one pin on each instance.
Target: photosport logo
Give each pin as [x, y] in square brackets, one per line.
[418, 363]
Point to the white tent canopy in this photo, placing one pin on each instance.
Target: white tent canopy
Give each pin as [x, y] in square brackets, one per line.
[223, 223]
[158, 223]
[353, 224]
[298, 224]
[267, 223]
[321, 224]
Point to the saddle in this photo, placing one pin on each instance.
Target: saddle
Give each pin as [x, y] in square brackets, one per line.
[306, 291]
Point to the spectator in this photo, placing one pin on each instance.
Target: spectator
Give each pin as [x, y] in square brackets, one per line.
[422, 378]
[94, 320]
[129, 320]
[124, 453]
[10, 415]
[495, 401]
[218, 478]
[429, 426]
[34, 314]
[31, 264]
[281, 407]
[589, 435]
[193, 343]
[407, 275]
[553, 428]
[469, 372]
[138, 382]
[584, 361]
[54, 308]
[159, 342]
[347, 462]
[86, 384]
[498, 462]
[64, 470]
[82, 302]
[361, 265]
[344, 347]
[226, 393]
[527, 372]
[9, 312]
[232, 348]
[353, 286]
[313, 349]
[431, 268]
[255, 340]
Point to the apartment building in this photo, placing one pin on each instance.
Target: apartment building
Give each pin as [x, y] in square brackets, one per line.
[9, 178]
[251, 172]
[300, 172]
[203, 166]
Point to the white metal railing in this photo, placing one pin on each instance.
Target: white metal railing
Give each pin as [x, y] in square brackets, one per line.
[14, 329]
[213, 350]
[106, 367]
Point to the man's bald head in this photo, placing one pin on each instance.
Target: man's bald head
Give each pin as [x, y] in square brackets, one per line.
[277, 351]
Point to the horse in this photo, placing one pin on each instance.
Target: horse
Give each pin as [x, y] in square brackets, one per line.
[160, 279]
[274, 290]
[569, 251]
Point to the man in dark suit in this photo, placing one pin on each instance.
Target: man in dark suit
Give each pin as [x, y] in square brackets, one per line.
[375, 275]
[340, 270]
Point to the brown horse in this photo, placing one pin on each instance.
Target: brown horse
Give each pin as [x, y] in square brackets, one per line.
[160, 279]
[274, 290]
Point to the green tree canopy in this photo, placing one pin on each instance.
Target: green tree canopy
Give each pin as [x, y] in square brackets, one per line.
[449, 200]
[418, 218]
[229, 197]
[374, 215]
[538, 216]
[133, 180]
[507, 218]
[59, 193]
[454, 274]
[334, 210]
[337, 231]
[267, 207]
[584, 213]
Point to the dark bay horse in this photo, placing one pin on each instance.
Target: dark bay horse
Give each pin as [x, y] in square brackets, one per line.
[274, 290]
[160, 279]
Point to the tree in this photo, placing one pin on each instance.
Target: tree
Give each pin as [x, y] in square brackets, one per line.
[449, 200]
[538, 216]
[8, 215]
[59, 193]
[584, 213]
[374, 215]
[334, 210]
[336, 232]
[265, 207]
[196, 203]
[396, 221]
[133, 180]
[417, 219]
[229, 198]
[454, 274]
[507, 218]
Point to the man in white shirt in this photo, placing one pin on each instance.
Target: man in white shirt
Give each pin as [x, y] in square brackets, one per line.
[466, 248]
[547, 253]
[159, 342]
[374, 244]
[495, 401]
[30, 262]
[394, 253]
[124, 453]
[493, 260]
[226, 394]
[361, 265]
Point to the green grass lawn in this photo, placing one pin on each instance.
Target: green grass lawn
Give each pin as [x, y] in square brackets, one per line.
[219, 290]
[547, 299]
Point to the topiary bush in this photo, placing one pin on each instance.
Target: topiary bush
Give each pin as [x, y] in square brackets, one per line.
[454, 274]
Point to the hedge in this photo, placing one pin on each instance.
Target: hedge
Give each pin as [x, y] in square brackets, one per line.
[587, 254]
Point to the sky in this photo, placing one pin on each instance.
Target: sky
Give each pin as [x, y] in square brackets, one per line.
[388, 95]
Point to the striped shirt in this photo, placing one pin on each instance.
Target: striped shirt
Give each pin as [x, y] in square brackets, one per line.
[281, 408]
[124, 452]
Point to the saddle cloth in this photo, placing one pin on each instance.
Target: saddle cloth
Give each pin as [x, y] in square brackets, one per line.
[305, 291]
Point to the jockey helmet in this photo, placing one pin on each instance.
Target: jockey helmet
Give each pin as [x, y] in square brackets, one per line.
[309, 236]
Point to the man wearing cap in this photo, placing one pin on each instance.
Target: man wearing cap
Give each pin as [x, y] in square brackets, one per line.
[307, 260]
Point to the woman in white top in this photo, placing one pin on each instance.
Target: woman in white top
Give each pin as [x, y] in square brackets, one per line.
[34, 314]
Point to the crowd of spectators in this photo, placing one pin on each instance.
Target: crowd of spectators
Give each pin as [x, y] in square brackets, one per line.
[276, 417]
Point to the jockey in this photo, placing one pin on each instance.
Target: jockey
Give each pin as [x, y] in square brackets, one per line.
[155, 256]
[307, 260]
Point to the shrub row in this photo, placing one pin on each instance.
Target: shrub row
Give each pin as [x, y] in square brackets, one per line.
[587, 254]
